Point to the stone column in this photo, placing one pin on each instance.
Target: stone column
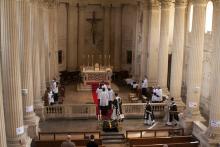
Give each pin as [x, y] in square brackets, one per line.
[177, 52]
[164, 44]
[117, 9]
[72, 49]
[35, 46]
[106, 29]
[194, 67]
[11, 76]
[55, 39]
[214, 120]
[42, 50]
[143, 67]
[3, 142]
[46, 43]
[153, 41]
[30, 118]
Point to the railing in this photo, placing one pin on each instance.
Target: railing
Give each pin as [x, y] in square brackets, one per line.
[154, 133]
[76, 111]
[85, 111]
[136, 110]
[62, 135]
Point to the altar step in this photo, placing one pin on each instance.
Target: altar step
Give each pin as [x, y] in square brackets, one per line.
[113, 138]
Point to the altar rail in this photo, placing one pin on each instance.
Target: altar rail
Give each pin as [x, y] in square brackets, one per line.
[74, 111]
[86, 111]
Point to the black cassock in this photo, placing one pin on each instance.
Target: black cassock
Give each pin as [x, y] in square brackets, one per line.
[148, 114]
[173, 114]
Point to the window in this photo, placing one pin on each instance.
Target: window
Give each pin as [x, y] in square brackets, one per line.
[190, 17]
[209, 16]
[129, 57]
[60, 54]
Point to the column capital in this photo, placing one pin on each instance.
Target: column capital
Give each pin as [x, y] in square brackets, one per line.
[50, 3]
[153, 4]
[166, 3]
[181, 3]
[199, 2]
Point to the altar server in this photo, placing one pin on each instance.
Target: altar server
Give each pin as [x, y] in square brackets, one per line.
[98, 91]
[117, 109]
[110, 97]
[50, 97]
[144, 86]
[104, 101]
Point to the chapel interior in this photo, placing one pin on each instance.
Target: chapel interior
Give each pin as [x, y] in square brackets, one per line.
[77, 44]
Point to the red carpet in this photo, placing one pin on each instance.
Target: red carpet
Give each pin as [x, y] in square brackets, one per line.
[95, 99]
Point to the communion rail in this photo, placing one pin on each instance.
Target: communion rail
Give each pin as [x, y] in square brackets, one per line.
[86, 111]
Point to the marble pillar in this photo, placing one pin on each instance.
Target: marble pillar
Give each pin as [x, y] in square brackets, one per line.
[194, 67]
[42, 50]
[213, 132]
[3, 142]
[35, 47]
[72, 48]
[46, 44]
[30, 119]
[164, 44]
[117, 10]
[177, 52]
[144, 56]
[107, 29]
[11, 77]
[153, 41]
[55, 39]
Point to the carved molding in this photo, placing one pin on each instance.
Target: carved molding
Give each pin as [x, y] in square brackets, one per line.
[165, 4]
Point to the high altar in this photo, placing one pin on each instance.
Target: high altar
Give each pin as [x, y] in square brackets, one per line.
[96, 73]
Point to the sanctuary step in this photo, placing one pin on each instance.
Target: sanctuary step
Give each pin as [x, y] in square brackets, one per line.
[112, 138]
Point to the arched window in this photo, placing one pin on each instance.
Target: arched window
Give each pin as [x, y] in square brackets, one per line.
[190, 17]
[209, 16]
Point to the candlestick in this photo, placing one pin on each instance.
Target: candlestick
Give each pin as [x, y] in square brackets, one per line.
[88, 60]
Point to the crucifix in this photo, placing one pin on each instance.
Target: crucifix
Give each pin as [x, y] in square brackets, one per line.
[93, 22]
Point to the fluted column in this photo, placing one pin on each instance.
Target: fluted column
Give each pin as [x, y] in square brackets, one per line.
[177, 51]
[55, 39]
[30, 118]
[117, 36]
[106, 29]
[214, 120]
[11, 76]
[195, 59]
[35, 46]
[46, 43]
[143, 67]
[72, 50]
[42, 50]
[164, 44]
[3, 142]
[153, 41]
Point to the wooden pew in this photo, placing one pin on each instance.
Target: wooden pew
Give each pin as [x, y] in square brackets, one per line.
[154, 133]
[188, 144]
[161, 140]
[57, 143]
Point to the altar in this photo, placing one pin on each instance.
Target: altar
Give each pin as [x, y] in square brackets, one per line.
[96, 74]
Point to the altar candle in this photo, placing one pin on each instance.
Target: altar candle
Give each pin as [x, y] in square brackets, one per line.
[92, 60]
[109, 57]
[105, 60]
[88, 59]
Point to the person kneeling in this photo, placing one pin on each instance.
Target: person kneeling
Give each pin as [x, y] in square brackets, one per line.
[148, 114]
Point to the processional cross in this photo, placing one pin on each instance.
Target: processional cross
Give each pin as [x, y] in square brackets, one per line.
[93, 22]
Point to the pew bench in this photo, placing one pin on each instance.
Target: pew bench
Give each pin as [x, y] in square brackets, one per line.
[57, 143]
[158, 141]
